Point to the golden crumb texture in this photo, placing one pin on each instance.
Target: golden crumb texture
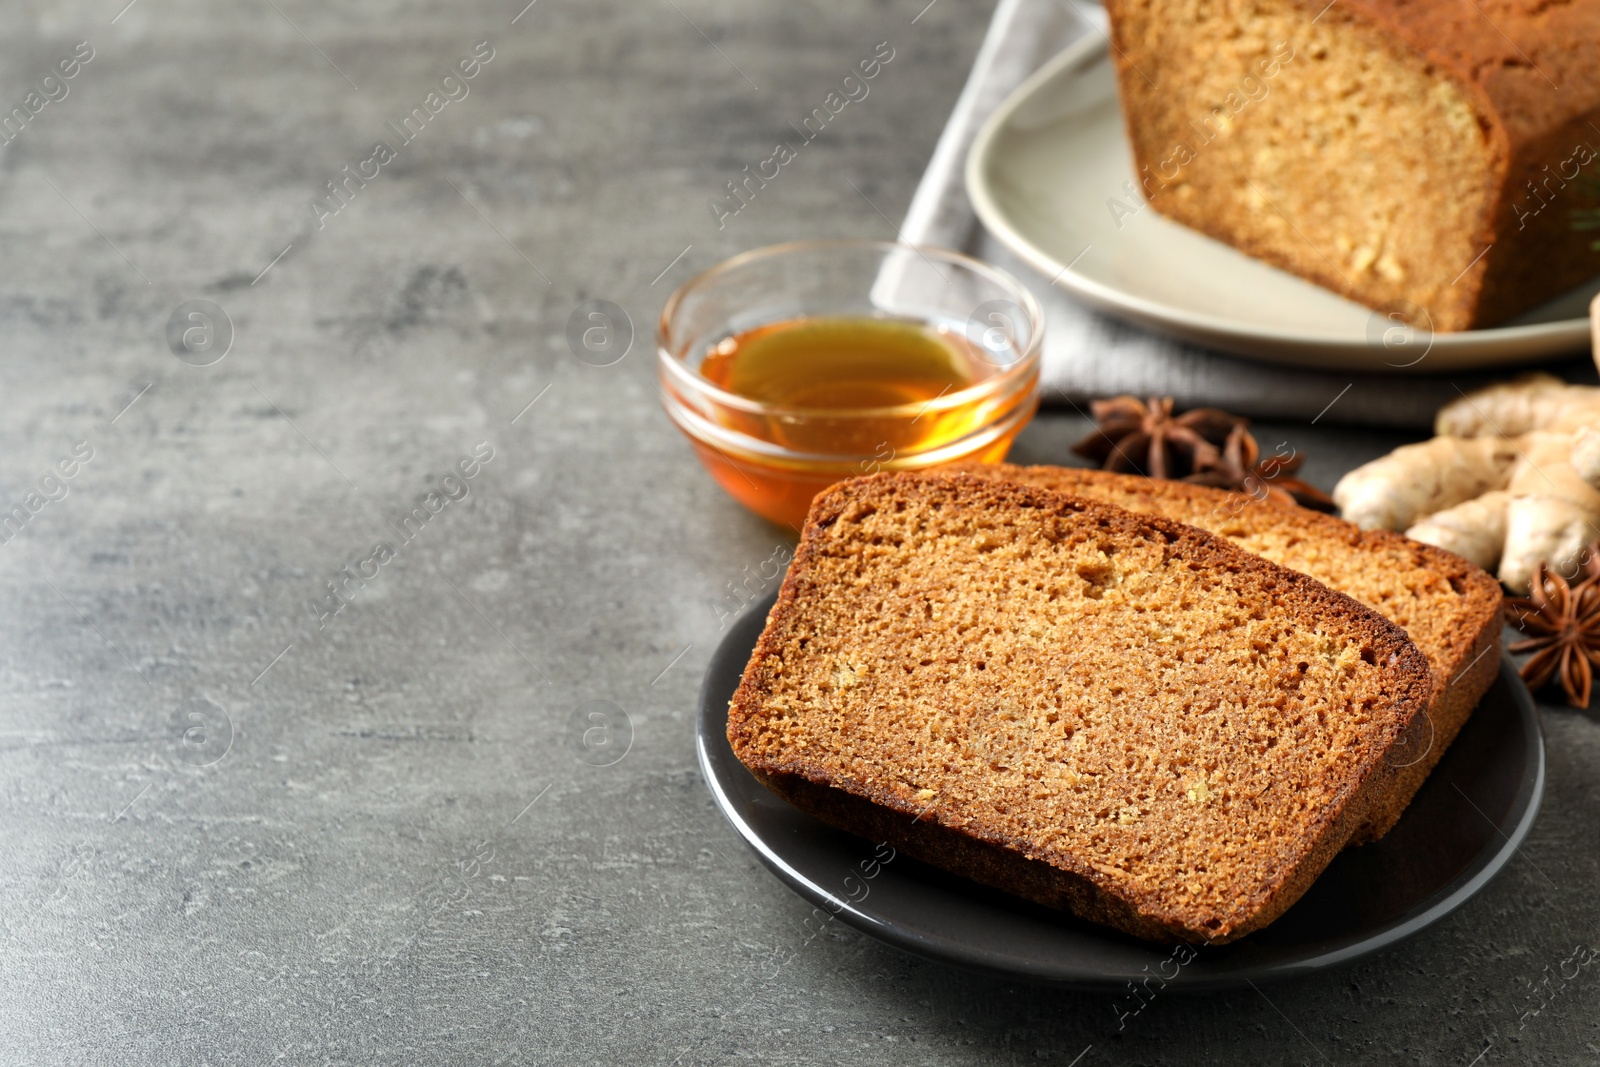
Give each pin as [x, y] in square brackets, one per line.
[1103, 711]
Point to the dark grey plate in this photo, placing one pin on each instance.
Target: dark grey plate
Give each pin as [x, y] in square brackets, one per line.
[1462, 827]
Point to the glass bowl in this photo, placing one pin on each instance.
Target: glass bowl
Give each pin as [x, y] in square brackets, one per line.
[774, 458]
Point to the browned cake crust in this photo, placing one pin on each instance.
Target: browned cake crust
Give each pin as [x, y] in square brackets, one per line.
[1106, 712]
[1400, 152]
[1449, 607]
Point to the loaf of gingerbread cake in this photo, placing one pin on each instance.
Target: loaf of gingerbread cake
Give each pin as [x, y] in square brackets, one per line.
[1433, 159]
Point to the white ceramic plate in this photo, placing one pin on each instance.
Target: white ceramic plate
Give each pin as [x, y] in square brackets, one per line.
[1043, 173]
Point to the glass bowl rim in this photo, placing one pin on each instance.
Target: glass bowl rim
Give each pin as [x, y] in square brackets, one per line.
[1000, 383]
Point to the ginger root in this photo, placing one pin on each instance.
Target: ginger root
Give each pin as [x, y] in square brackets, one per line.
[1474, 530]
[1552, 514]
[1513, 480]
[1395, 491]
[1586, 454]
[1532, 402]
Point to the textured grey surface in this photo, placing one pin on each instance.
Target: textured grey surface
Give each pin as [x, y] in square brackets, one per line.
[393, 844]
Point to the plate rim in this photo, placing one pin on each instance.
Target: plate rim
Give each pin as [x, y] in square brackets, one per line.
[1434, 908]
[1471, 348]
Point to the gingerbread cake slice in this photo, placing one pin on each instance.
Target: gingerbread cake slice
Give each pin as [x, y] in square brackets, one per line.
[1449, 607]
[1434, 159]
[1105, 712]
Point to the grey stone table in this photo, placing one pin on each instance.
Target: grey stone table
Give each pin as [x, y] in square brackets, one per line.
[247, 820]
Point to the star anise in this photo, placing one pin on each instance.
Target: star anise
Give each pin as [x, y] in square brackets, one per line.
[1146, 438]
[1239, 467]
[1564, 623]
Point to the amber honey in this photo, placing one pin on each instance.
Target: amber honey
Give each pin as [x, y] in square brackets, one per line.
[837, 396]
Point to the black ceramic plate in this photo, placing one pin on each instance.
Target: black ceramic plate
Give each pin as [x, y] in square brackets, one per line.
[1462, 827]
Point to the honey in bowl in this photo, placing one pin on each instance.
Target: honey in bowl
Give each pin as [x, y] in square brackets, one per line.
[793, 367]
[868, 368]
[876, 392]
